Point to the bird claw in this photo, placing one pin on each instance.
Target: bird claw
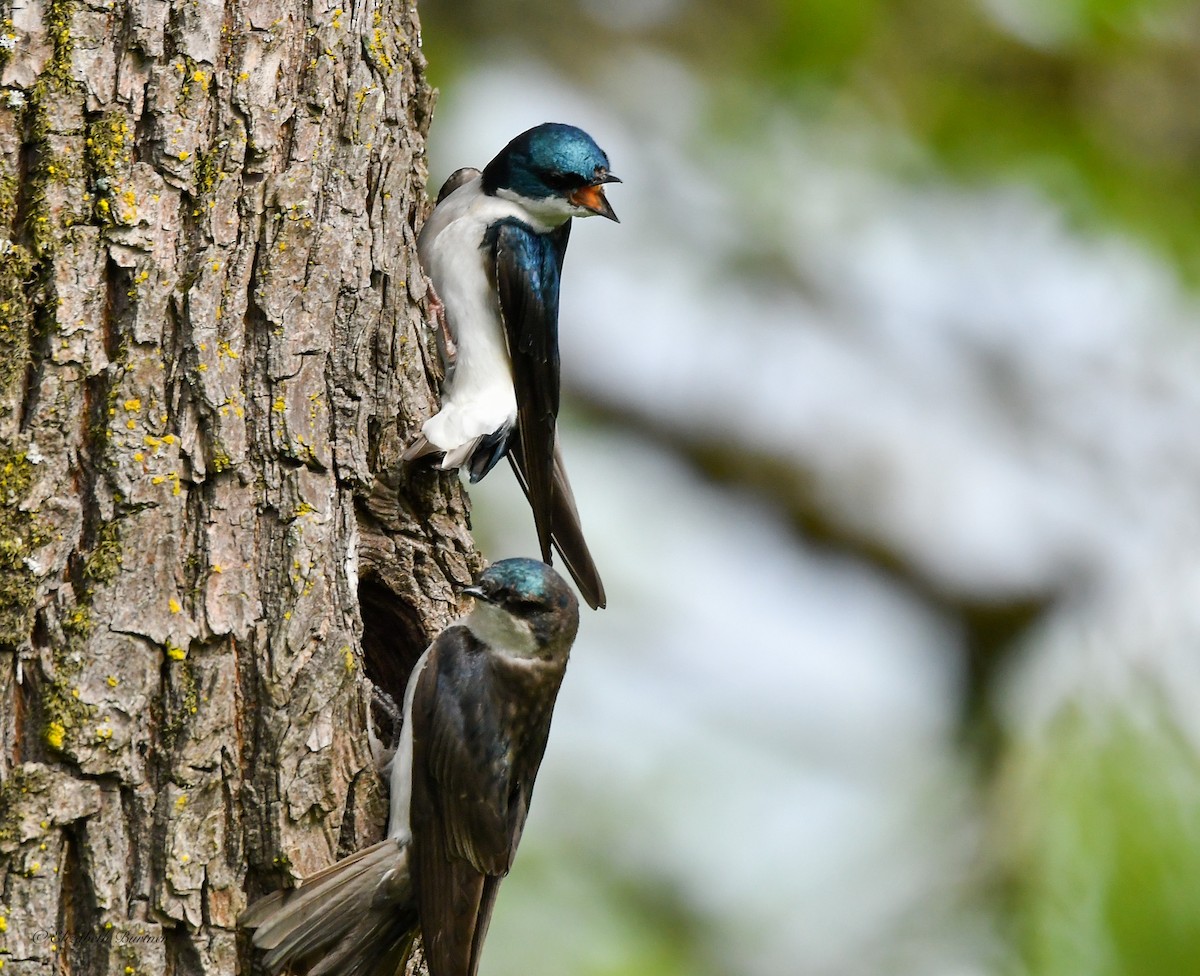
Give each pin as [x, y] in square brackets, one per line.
[386, 704]
[445, 341]
[382, 753]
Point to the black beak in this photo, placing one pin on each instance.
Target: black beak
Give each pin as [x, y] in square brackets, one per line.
[476, 592]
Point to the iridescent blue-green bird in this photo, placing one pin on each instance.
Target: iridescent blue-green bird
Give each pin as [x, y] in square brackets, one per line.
[476, 718]
[493, 249]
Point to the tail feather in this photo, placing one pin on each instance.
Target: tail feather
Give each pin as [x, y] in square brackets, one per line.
[376, 945]
[488, 451]
[357, 913]
[476, 453]
[566, 532]
[569, 541]
[451, 459]
[419, 448]
[279, 914]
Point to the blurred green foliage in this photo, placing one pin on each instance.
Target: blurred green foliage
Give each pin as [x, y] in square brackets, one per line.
[1107, 828]
[1093, 100]
[604, 924]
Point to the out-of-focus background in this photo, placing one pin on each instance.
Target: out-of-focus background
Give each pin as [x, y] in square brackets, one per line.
[884, 422]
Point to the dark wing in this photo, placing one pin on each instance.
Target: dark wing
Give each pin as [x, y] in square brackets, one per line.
[455, 180]
[566, 530]
[529, 306]
[558, 240]
[464, 835]
[527, 267]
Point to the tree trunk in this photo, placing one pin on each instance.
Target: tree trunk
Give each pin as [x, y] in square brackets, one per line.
[211, 356]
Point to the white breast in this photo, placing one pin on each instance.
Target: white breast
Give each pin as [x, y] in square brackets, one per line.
[399, 819]
[478, 396]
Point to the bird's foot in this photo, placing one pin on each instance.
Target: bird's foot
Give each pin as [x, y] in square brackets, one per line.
[445, 341]
[383, 747]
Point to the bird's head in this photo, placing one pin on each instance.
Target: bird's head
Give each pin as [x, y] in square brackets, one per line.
[557, 171]
[524, 607]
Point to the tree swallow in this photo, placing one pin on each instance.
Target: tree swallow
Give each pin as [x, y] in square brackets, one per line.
[493, 249]
[477, 715]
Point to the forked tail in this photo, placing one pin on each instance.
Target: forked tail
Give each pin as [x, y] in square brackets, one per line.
[355, 918]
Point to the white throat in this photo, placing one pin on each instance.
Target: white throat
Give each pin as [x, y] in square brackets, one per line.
[509, 635]
[544, 214]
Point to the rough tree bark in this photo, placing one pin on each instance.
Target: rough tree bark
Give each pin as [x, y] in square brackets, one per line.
[211, 354]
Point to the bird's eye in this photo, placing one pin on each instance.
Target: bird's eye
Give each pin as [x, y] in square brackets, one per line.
[525, 606]
[560, 181]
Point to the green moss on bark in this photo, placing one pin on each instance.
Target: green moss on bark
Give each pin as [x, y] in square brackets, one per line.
[20, 536]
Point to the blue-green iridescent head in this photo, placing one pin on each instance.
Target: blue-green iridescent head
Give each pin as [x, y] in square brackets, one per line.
[532, 590]
[553, 160]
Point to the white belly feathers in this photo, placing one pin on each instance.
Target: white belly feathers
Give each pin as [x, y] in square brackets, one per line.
[478, 396]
